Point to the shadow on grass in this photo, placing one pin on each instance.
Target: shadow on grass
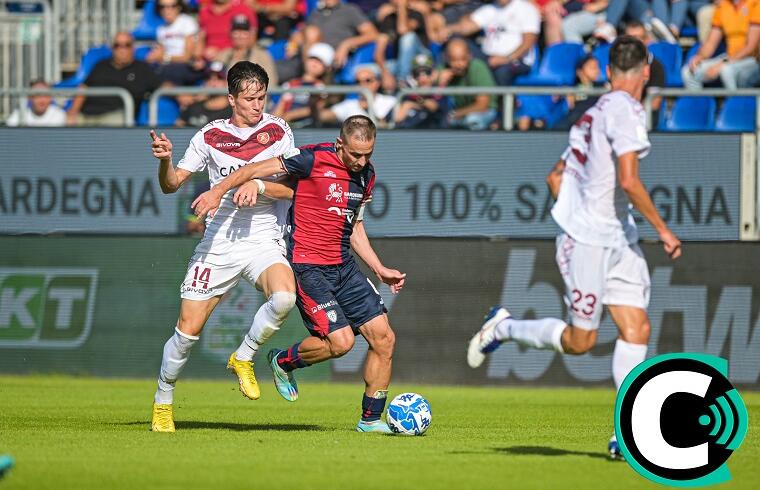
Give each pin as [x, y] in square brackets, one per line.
[546, 451]
[234, 426]
[535, 451]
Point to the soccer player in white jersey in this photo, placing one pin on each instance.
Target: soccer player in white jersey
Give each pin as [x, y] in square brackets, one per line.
[594, 183]
[239, 241]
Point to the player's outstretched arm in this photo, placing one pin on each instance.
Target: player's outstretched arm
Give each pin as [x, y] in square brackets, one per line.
[210, 199]
[169, 178]
[554, 179]
[248, 193]
[360, 244]
[628, 173]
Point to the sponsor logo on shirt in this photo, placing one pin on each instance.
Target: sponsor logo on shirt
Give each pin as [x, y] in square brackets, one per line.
[229, 144]
[330, 173]
[335, 192]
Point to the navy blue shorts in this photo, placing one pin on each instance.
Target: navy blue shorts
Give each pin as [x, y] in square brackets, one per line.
[331, 297]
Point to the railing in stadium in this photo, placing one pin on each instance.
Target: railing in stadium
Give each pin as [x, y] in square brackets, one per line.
[21, 98]
[508, 95]
[27, 44]
[327, 90]
[82, 24]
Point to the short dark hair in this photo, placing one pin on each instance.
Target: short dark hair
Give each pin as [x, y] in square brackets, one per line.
[179, 3]
[38, 81]
[627, 53]
[244, 73]
[360, 127]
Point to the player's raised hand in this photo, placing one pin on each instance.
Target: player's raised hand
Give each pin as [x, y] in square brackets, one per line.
[161, 146]
[671, 243]
[392, 278]
[206, 203]
[246, 194]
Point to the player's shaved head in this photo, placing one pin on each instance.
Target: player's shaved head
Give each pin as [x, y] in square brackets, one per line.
[627, 54]
[359, 127]
[245, 75]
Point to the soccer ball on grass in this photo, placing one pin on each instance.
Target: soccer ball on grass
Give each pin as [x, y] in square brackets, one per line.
[409, 414]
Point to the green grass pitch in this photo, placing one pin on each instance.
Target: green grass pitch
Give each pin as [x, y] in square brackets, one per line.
[93, 433]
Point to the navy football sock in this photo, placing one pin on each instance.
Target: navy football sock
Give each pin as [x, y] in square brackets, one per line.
[290, 360]
[373, 406]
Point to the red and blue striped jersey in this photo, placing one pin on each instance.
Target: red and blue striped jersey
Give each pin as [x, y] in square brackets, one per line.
[326, 204]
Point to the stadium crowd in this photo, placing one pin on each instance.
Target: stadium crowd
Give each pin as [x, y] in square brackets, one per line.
[385, 45]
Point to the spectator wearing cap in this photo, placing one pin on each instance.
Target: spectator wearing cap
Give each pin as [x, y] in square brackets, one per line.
[421, 111]
[738, 22]
[368, 77]
[341, 25]
[40, 111]
[215, 106]
[462, 70]
[278, 17]
[403, 28]
[245, 47]
[175, 49]
[299, 109]
[121, 70]
[215, 21]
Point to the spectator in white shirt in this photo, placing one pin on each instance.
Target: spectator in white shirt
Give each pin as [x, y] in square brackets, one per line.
[367, 76]
[176, 45]
[511, 30]
[40, 111]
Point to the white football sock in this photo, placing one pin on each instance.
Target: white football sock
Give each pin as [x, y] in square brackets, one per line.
[176, 353]
[625, 357]
[545, 333]
[266, 323]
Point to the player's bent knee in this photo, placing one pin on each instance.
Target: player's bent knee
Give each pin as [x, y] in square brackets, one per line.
[637, 334]
[341, 342]
[282, 303]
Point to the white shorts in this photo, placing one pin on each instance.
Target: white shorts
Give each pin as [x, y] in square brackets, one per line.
[216, 267]
[596, 276]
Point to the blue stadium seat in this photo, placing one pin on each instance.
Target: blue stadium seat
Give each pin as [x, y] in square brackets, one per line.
[363, 55]
[277, 49]
[150, 21]
[542, 107]
[557, 66]
[670, 55]
[602, 55]
[89, 59]
[311, 5]
[689, 114]
[168, 112]
[141, 52]
[737, 114]
[689, 31]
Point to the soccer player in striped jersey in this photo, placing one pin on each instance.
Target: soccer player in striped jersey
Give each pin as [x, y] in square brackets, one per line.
[334, 182]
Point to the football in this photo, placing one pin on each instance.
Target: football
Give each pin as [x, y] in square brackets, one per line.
[409, 414]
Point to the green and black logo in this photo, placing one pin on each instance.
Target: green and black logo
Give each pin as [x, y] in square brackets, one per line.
[678, 419]
[46, 308]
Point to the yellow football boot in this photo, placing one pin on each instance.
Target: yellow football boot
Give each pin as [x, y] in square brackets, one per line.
[244, 371]
[163, 418]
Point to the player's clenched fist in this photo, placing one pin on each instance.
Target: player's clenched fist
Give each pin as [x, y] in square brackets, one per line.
[392, 278]
[206, 203]
[161, 146]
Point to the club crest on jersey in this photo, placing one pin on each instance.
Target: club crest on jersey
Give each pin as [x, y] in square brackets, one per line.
[262, 138]
[332, 315]
[335, 192]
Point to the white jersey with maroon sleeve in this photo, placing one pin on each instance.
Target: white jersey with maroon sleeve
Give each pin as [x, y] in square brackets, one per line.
[223, 148]
[591, 206]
